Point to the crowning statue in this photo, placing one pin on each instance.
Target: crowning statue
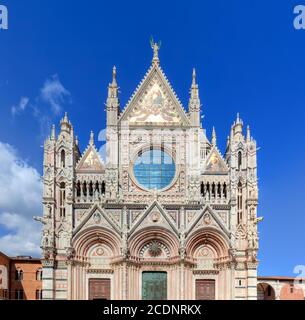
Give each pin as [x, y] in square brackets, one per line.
[156, 47]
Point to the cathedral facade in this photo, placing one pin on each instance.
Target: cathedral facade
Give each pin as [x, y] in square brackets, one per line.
[162, 215]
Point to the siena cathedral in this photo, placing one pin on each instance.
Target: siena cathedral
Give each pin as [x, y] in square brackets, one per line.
[163, 215]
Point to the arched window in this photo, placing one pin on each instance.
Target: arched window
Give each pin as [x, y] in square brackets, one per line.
[39, 275]
[239, 160]
[19, 275]
[63, 158]
[225, 190]
[91, 189]
[202, 189]
[213, 190]
[219, 190]
[96, 187]
[62, 200]
[78, 189]
[103, 187]
[85, 188]
[208, 192]
[239, 203]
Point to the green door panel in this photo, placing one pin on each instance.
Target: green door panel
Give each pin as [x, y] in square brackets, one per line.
[154, 285]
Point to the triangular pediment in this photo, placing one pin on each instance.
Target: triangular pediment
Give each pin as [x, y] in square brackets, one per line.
[95, 217]
[90, 161]
[154, 216]
[207, 218]
[215, 163]
[155, 103]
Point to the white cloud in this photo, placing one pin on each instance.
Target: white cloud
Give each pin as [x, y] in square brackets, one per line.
[23, 103]
[23, 236]
[47, 105]
[20, 200]
[54, 93]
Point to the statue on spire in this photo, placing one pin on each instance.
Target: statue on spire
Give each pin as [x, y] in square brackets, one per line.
[156, 47]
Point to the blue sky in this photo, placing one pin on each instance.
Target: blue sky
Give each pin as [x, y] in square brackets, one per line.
[57, 56]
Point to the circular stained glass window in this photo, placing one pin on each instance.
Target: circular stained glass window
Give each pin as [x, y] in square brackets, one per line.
[154, 169]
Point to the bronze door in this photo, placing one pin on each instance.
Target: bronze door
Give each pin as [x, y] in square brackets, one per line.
[154, 285]
[205, 289]
[99, 289]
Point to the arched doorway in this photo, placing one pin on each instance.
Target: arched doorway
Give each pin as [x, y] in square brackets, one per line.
[265, 291]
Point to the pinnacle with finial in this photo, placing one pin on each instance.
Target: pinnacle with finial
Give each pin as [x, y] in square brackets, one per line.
[214, 137]
[91, 142]
[53, 132]
[194, 77]
[114, 83]
[238, 119]
[248, 137]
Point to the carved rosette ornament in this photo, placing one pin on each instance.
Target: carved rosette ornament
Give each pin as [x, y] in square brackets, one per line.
[154, 249]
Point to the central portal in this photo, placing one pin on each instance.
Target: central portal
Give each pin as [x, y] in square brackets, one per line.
[154, 285]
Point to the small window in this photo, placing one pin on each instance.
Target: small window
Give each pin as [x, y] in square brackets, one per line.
[19, 275]
[291, 288]
[63, 158]
[62, 200]
[39, 275]
[239, 203]
[38, 294]
[19, 294]
[239, 160]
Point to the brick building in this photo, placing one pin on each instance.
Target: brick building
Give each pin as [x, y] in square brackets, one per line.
[4, 275]
[20, 278]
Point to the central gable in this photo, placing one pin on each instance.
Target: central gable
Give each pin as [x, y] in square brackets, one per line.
[90, 161]
[155, 103]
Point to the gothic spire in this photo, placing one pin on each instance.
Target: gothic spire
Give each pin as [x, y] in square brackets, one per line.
[194, 77]
[113, 103]
[91, 141]
[113, 86]
[238, 119]
[194, 102]
[53, 132]
[65, 124]
[194, 87]
[248, 136]
[114, 83]
[214, 139]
